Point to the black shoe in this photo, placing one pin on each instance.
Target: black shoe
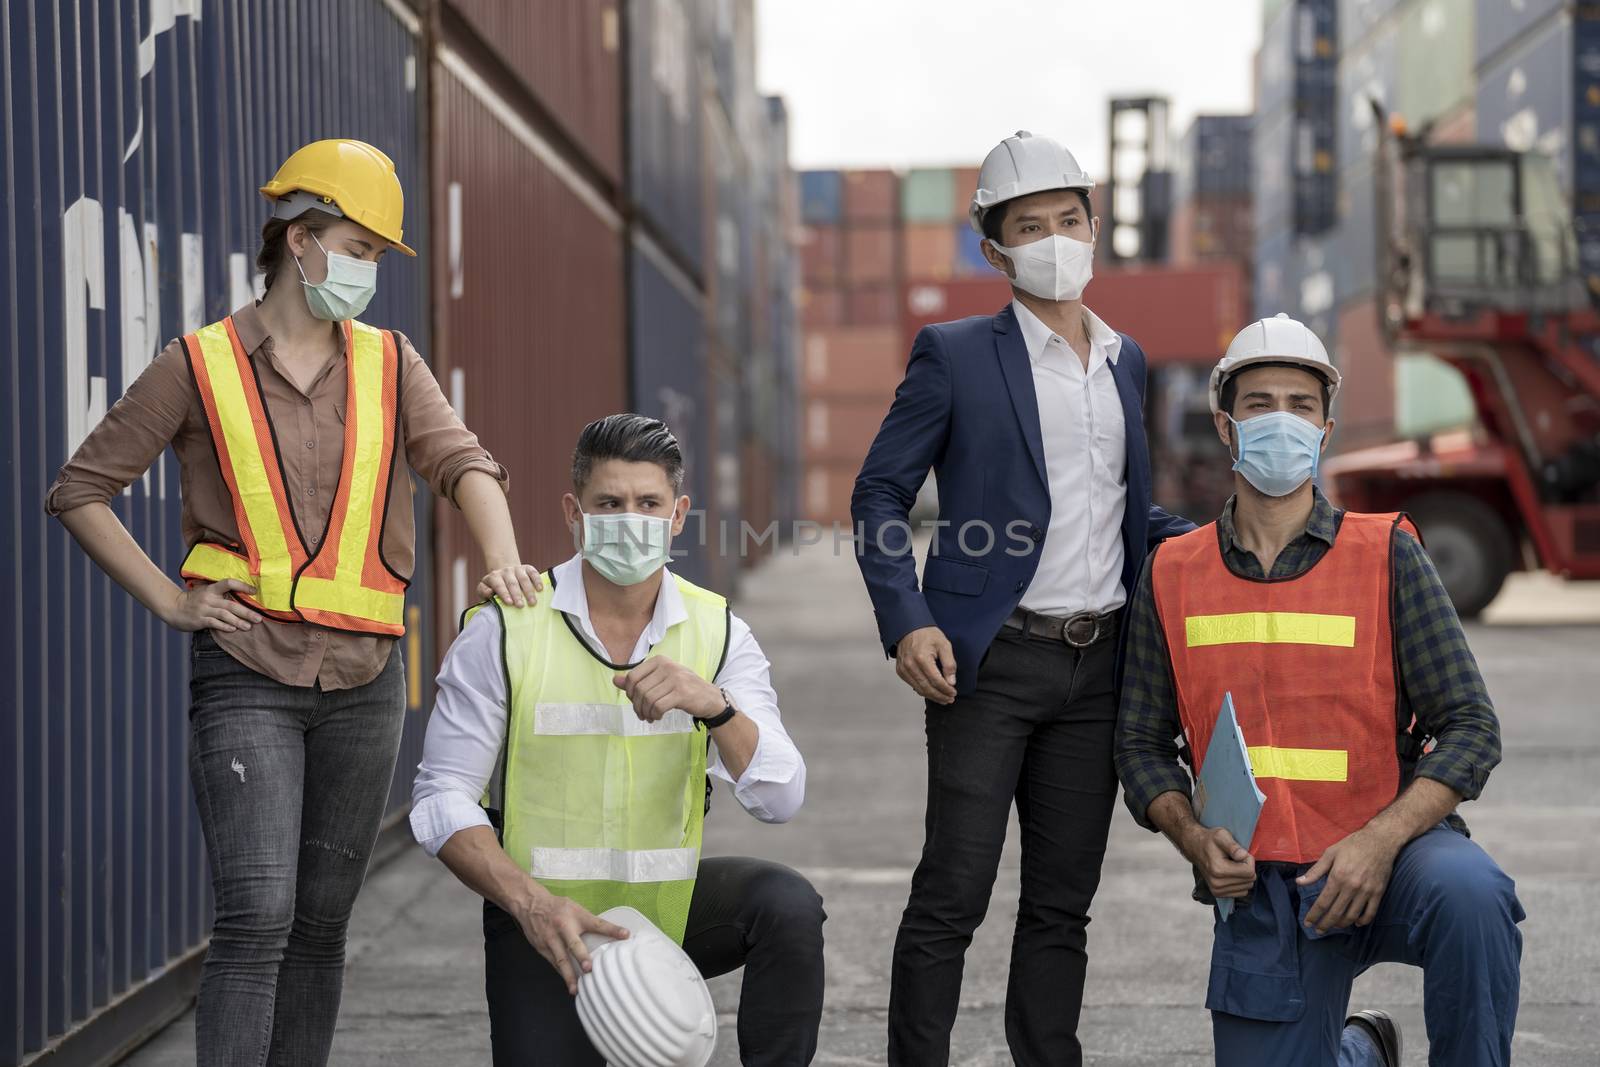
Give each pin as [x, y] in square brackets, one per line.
[1382, 1030]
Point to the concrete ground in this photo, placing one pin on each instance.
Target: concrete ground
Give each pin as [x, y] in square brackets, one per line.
[414, 990]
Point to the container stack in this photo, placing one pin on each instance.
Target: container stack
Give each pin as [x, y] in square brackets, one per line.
[1212, 211]
[603, 210]
[851, 271]
[1293, 155]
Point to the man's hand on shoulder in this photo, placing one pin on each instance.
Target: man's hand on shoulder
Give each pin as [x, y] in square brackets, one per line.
[658, 685]
[925, 661]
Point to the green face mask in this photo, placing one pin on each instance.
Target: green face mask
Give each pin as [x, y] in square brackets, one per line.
[626, 549]
[345, 292]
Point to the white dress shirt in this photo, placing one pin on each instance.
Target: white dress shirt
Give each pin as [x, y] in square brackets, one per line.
[1086, 459]
[468, 725]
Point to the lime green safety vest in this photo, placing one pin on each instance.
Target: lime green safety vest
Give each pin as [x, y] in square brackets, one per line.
[599, 806]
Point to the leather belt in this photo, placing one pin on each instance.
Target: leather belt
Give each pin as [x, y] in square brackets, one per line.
[1078, 631]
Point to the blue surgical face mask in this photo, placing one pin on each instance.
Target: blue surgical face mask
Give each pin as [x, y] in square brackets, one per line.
[345, 292]
[1278, 451]
[626, 549]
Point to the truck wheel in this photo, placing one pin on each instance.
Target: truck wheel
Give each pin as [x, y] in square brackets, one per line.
[1470, 546]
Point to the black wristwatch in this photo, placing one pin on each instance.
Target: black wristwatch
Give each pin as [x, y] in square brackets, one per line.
[723, 717]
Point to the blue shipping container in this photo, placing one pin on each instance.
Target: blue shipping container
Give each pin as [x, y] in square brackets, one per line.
[1525, 100]
[1498, 23]
[667, 170]
[1372, 72]
[667, 368]
[821, 197]
[136, 142]
[1272, 152]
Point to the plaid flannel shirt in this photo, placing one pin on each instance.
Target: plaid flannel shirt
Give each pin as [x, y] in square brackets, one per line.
[1439, 679]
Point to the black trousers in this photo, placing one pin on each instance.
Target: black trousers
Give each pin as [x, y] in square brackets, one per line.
[746, 913]
[1037, 732]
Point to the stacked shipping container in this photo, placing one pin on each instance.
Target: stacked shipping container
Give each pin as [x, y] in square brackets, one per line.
[571, 277]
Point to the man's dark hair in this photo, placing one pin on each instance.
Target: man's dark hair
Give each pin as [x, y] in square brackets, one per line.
[1230, 385]
[629, 437]
[995, 218]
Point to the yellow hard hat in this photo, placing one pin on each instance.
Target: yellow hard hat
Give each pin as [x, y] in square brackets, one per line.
[351, 177]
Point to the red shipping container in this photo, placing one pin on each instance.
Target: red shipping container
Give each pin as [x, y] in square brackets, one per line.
[825, 493]
[870, 255]
[568, 54]
[927, 251]
[853, 361]
[1366, 405]
[871, 196]
[966, 185]
[840, 430]
[1176, 314]
[532, 346]
[821, 252]
[821, 309]
[872, 305]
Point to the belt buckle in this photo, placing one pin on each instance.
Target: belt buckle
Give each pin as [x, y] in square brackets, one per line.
[1093, 622]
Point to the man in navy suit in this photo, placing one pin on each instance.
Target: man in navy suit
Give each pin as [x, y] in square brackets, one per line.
[1033, 424]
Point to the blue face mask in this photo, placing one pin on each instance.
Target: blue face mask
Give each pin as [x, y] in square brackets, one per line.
[1278, 451]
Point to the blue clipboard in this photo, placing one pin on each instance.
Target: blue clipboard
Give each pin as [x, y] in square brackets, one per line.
[1226, 794]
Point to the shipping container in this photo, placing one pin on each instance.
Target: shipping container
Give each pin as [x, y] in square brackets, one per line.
[1525, 100]
[870, 254]
[729, 277]
[667, 163]
[828, 486]
[928, 250]
[872, 305]
[1439, 33]
[970, 261]
[525, 382]
[1218, 227]
[129, 201]
[568, 55]
[840, 429]
[1361, 20]
[1214, 158]
[668, 377]
[1298, 58]
[1272, 150]
[1298, 276]
[717, 544]
[1366, 405]
[821, 254]
[821, 308]
[1200, 307]
[821, 197]
[964, 185]
[871, 196]
[1371, 72]
[1500, 23]
[853, 361]
[928, 195]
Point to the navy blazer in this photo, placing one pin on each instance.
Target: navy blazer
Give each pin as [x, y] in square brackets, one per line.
[966, 408]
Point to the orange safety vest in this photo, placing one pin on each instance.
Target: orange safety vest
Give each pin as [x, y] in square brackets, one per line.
[345, 584]
[1310, 663]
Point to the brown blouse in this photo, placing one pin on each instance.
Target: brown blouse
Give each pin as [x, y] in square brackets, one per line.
[162, 407]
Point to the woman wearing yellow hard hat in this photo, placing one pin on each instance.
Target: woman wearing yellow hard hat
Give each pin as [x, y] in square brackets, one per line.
[294, 424]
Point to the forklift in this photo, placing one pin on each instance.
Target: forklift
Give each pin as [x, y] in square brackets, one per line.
[1479, 265]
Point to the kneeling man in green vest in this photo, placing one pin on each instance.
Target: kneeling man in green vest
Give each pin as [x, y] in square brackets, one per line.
[568, 762]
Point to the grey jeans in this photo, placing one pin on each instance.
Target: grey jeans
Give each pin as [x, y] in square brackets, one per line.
[291, 783]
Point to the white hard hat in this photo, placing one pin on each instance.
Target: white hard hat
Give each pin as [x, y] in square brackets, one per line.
[1279, 339]
[1022, 165]
[643, 1002]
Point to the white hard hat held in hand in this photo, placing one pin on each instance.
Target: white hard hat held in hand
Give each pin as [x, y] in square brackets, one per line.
[1279, 339]
[1022, 165]
[643, 1003]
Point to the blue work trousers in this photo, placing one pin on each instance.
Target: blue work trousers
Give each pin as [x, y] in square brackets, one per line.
[1279, 992]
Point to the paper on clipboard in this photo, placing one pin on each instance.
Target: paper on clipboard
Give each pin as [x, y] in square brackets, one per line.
[1226, 794]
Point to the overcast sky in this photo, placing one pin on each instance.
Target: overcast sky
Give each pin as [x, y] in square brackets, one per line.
[939, 82]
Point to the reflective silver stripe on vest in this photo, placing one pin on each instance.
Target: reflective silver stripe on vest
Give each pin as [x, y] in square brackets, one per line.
[615, 864]
[613, 720]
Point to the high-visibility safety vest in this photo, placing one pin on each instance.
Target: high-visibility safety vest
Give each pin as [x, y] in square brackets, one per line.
[1311, 665]
[345, 584]
[599, 806]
